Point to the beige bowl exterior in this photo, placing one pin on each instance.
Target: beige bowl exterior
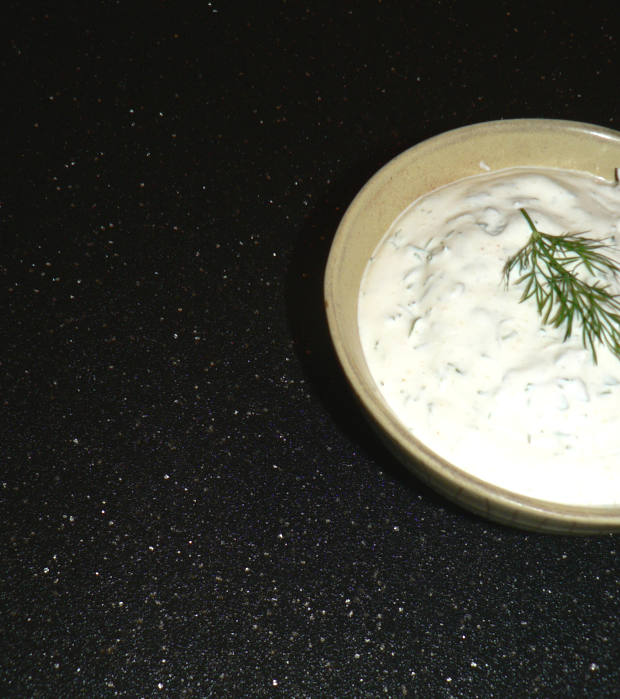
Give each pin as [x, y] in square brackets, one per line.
[428, 165]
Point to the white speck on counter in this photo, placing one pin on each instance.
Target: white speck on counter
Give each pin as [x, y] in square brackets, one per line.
[470, 370]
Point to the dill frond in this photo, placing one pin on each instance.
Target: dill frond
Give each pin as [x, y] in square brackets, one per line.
[548, 265]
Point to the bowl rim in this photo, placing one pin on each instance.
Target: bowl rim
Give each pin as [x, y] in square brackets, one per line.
[484, 498]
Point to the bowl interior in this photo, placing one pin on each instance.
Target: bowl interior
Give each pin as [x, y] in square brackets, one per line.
[438, 161]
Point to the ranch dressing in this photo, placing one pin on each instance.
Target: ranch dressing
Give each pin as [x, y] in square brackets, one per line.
[468, 369]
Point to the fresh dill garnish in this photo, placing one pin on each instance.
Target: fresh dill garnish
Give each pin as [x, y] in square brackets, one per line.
[548, 265]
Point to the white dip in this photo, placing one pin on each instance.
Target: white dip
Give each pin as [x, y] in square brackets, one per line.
[469, 370]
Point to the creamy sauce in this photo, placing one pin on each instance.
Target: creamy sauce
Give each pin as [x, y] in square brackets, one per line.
[473, 373]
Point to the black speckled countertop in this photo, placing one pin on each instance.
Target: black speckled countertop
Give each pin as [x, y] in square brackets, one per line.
[192, 503]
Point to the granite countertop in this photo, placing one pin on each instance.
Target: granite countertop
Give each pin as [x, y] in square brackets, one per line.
[192, 502]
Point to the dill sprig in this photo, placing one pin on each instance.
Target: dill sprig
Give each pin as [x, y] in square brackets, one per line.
[548, 265]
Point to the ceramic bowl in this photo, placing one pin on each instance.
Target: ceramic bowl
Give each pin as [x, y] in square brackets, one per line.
[438, 161]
